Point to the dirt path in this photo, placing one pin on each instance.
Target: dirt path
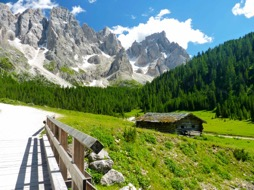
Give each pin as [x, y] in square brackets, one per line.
[230, 136]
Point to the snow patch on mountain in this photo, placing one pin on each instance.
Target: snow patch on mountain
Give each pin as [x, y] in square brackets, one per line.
[98, 83]
[36, 59]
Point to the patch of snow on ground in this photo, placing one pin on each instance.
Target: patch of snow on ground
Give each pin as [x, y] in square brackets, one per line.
[164, 55]
[106, 55]
[135, 68]
[85, 61]
[75, 69]
[36, 59]
[76, 57]
[141, 78]
[98, 83]
[132, 62]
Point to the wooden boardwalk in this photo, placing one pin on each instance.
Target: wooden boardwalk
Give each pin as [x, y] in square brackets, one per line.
[22, 157]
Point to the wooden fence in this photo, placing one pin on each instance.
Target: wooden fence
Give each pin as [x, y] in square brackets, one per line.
[58, 133]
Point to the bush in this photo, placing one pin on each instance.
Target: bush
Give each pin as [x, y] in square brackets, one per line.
[192, 184]
[155, 163]
[150, 138]
[103, 136]
[5, 64]
[130, 134]
[96, 176]
[205, 168]
[171, 165]
[177, 184]
[50, 66]
[221, 155]
[241, 155]
[189, 149]
[168, 145]
[143, 181]
[224, 174]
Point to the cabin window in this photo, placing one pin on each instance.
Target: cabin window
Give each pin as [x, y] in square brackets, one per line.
[193, 126]
[182, 127]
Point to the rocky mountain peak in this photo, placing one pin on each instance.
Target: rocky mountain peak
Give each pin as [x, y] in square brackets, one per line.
[59, 47]
[121, 67]
[104, 33]
[156, 37]
[62, 13]
[89, 33]
[156, 54]
[109, 42]
[7, 19]
[30, 27]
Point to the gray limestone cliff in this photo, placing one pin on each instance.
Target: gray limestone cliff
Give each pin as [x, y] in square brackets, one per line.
[156, 54]
[59, 46]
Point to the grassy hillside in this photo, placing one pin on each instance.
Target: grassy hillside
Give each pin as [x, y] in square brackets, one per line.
[225, 126]
[154, 160]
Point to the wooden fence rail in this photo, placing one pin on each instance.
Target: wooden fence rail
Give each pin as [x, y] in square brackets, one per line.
[58, 133]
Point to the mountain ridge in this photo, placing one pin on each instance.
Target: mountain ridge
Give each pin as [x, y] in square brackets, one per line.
[78, 53]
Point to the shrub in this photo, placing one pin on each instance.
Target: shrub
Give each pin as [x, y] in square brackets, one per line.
[171, 165]
[96, 176]
[130, 134]
[168, 145]
[103, 136]
[222, 157]
[50, 66]
[177, 184]
[205, 168]
[5, 64]
[241, 155]
[150, 138]
[155, 163]
[143, 181]
[67, 70]
[192, 184]
[189, 149]
[224, 174]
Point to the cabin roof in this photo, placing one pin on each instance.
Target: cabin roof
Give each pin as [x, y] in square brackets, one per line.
[172, 117]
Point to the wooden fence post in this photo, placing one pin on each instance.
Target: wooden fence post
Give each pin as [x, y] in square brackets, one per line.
[56, 134]
[63, 139]
[78, 159]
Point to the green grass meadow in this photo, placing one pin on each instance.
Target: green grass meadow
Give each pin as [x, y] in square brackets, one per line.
[225, 126]
[153, 160]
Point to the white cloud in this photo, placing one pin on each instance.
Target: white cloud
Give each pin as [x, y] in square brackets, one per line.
[245, 8]
[21, 5]
[77, 9]
[176, 31]
[92, 1]
[162, 13]
[133, 17]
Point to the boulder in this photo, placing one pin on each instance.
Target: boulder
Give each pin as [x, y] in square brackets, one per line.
[102, 166]
[129, 187]
[112, 177]
[103, 155]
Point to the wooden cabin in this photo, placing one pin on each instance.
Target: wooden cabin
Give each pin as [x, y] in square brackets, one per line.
[179, 123]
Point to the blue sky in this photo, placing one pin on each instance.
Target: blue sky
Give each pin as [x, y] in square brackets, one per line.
[196, 25]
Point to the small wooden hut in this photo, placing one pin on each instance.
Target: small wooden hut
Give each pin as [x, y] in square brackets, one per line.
[179, 123]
